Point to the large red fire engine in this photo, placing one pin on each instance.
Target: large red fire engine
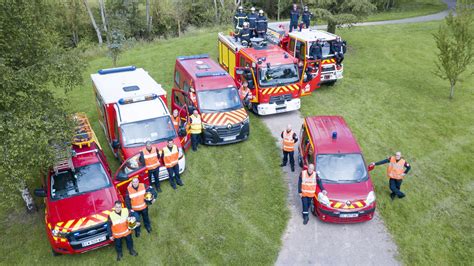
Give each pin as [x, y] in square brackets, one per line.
[200, 83]
[78, 194]
[328, 143]
[276, 80]
[298, 44]
[132, 110]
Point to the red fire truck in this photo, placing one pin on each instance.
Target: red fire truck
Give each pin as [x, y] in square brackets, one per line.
[200, 83]
[78, 194]
[132, 110]
[298, 44]
[276, 80]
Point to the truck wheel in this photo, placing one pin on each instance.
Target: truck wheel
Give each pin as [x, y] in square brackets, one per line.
[55, 254]
[254, 109]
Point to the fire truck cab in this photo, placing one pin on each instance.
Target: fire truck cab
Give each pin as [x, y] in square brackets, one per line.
[78, 194]
[200, 83]
[132, 110]
[298, 44]
[328, 143]
[273, 75]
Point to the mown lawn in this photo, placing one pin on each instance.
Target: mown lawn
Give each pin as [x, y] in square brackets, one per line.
[408, 9]
[232, 209]
[392, 101]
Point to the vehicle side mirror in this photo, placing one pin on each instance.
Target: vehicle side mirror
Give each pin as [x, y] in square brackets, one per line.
[182, 131]
[370, 167]
[115, 144]
[121, 176]
[40, 192]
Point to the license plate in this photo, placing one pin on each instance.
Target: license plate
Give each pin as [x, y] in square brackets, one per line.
[229, 138]
[327, 77]
[348, 215]
[93, 241]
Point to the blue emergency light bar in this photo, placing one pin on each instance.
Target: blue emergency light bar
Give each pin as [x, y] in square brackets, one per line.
[198, 56]
[211, 74]
[137, 99]
[116, 70]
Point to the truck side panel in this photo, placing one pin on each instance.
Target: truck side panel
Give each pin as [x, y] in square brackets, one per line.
[227, 58]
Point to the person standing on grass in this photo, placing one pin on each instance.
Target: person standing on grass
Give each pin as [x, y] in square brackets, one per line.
[117, 229]
[307, 183]
[170, 155]
[135, 202]
[397, 169]
[152, 162]
[289, 138]
[195, 129]
[294, 17]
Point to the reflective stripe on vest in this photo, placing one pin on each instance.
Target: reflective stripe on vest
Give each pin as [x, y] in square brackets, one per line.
[196, 124]
[176, 122]
[308, 184]
[151, 159]
[119, 223]
[170, 157]
[288, 141]
[137, 197]
[396, 169]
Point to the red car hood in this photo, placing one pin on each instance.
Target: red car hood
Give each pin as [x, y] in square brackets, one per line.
[344, 192]
[83, 210]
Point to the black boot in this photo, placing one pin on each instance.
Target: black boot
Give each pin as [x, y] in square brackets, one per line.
[137, 233]
[158, 189]
[305, 219]
[282, 165]
[119, 256]
[133, 253]
[392, 196]
[292, 168]
[148, 229]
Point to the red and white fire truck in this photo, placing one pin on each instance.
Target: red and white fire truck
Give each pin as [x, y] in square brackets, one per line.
[200, 83]
[132, 109]
[78, 194]
[298, 44]
[273, 75]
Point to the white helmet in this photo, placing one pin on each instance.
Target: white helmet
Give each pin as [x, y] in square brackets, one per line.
[246, 24]
[260, 12]
[252, 9]
[241, 8]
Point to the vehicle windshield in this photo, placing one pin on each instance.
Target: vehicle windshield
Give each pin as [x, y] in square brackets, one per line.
[221, 100]
[154, 130]
[327, 50]
[84, 179]
[341, 168]
[278, 75]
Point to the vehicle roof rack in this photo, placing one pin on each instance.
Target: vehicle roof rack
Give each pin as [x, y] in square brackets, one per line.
[83, 135]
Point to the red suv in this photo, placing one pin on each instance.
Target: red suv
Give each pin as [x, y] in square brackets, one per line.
[328, 143]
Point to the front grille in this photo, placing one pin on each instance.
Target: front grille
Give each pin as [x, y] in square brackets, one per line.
[328, 69]
[227, 132]
[280, 99]
[87, 232]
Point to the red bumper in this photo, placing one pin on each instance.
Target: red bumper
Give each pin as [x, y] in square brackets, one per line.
[330, 215]
[63, 246]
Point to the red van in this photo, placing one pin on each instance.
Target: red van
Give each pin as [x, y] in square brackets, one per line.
[328, 143]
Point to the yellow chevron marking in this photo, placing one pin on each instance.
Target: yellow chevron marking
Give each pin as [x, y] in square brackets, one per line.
[337, 205]
[78, 224]
[359, 204]
[67, 225]
[90, 223]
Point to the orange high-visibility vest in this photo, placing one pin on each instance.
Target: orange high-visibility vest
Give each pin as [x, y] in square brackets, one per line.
[119, 223]
[137, 197]
[396, 169]
[308, 184]
[151, 158]
[176, 122]
[243, 92]
[288, 141]
[170, 157]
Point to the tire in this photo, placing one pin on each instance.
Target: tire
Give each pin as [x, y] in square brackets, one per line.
[54, 253]
[254, 109]
[331, 83]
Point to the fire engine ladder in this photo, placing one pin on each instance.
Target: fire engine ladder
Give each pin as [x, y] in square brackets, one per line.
[63, 161]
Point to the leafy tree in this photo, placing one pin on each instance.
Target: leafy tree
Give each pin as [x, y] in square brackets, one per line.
[34, 121]
[116, 45]
[455, 43]
[342, 12]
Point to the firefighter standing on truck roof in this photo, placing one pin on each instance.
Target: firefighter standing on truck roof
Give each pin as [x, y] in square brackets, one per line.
[294, 17]
[244, 35]
[195, 126]
[396, 171]
[170, 155]
[152, 162]
[338, 47]
[239, 18]
[306, 17]
[252, 19]
[307, 182]
[136, 202]
[262, 24]
[176, 119]
[289, 138]
[117, 229]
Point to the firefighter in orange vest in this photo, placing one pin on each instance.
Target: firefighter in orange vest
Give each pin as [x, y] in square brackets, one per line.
[170, 156]
[152, 162]
[136, 203]
[289, 138]
[245, 94]
[396, 171]
[117, 229]
[176, 119]
[307, 182]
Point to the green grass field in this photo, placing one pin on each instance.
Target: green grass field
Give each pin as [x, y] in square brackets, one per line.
[392, 101]
[408, 9]
[232, 209]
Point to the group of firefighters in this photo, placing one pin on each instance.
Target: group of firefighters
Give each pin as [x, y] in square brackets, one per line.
[249, 25]
[309, 180]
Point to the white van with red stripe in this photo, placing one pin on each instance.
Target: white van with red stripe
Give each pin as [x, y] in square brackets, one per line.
[200, 83]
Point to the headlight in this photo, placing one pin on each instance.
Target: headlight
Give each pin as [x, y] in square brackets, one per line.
[370, 198]
[57, 233]
[246, 120]
[180, 153]
[323, 199]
